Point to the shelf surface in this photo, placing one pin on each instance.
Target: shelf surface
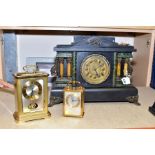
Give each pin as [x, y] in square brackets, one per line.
[97, 115]
[138, 29]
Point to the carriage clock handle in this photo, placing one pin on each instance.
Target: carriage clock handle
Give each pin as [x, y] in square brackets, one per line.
[74, 84]
[30, 68]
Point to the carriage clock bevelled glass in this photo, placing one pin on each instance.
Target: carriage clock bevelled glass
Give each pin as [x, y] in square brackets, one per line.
[73, 102]
[102, 66]
[31, 94]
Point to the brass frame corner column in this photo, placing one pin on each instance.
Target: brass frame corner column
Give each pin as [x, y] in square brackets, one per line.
[61, 63]
[69, 61]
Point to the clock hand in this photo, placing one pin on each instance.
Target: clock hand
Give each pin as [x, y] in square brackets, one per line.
[96, 72]
[100, 65]
[32, 92]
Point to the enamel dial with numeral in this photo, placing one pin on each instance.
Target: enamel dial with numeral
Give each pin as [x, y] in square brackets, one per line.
[73, 100]
[95, 69]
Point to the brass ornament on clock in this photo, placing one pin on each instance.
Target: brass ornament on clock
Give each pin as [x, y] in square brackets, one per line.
[95, 69]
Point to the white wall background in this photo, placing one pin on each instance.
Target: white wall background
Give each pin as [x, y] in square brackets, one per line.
[42, 46]
[38, 46]
[128, 40]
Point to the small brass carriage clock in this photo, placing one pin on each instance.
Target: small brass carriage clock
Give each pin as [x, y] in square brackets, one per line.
[74, 100]
[31, 93]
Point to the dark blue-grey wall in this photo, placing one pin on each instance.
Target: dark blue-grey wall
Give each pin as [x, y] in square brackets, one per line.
[10, 56]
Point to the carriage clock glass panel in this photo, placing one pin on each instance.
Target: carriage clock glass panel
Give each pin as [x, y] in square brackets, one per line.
[31, 93]
[72, 103]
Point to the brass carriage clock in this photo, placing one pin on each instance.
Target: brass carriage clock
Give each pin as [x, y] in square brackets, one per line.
[31, 93]
[73, 99]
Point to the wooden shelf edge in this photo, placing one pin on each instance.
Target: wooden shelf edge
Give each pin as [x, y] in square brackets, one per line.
[138, 29]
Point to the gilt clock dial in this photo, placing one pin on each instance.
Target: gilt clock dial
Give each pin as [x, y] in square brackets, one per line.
[32, 90]
[95, 69]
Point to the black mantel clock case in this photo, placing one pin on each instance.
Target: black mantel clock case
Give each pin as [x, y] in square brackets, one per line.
[99, 64]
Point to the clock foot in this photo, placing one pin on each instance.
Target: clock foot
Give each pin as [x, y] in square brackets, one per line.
[152, 109]
[30, 117]
[133, 99]
[55, 100]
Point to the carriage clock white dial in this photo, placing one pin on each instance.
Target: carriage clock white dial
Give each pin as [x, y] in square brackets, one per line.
[73, 100]
[72, 104]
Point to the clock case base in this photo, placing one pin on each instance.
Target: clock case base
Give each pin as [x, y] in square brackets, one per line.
[128, 94]
[30, 117]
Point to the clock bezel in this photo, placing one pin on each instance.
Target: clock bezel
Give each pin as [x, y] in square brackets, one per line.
[95, 82]
[27, 84]
[72, 105]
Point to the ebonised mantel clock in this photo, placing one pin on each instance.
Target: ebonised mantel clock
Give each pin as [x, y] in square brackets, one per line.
[101, 65]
